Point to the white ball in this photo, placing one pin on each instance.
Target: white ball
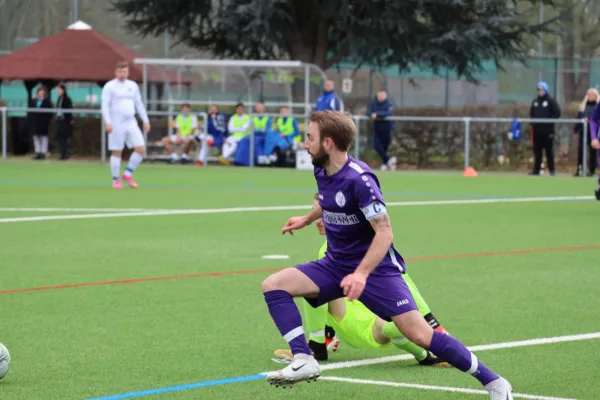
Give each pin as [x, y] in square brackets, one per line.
[4, 360]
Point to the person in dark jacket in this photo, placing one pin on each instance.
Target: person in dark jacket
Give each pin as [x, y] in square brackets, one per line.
[39, 123]
[543, 107]
[379, 110]
[64, 121]
[586, 110]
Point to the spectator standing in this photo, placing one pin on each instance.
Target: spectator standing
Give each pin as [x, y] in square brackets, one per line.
[543, 107]
[379, 110]
[39, 122]
[64, 121]
[586, 109]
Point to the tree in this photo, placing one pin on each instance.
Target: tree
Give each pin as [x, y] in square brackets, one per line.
[580, 42]
[458, 35]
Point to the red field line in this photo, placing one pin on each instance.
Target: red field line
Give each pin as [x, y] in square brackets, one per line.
[254, 271]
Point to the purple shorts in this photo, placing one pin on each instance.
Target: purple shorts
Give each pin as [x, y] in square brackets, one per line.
[386, 293]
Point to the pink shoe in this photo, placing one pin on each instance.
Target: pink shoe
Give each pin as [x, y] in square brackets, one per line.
[130, 181]
[117, 184]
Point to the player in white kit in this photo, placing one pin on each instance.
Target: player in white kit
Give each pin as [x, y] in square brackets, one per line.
[121, 98]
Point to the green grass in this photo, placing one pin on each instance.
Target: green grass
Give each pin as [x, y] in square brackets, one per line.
[93, 341]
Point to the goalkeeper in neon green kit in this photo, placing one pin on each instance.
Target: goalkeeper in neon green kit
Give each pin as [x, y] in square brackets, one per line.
[357, 326]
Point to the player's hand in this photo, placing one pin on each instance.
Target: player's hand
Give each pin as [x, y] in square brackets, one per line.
[109, 128]
[293, 224]
[596, 144]
[146, 128]
[353, 285]
[320, 226]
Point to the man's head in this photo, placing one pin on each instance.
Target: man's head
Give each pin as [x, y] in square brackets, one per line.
[381, 95]
[329, 132]
[122, 70]
[185, 108]
[213, 109]
[328, 86]
[42, 93]
[284, 111]
[542, 88]
[239, 109]
[259, 107]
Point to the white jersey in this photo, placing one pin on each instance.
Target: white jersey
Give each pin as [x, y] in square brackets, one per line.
[120, 101]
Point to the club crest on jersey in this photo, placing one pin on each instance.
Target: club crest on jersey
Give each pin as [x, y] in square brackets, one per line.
[340, 199]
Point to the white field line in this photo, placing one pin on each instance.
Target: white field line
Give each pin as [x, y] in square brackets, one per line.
[62, 209]
[482, 347]
[149, 212]
[431, 387]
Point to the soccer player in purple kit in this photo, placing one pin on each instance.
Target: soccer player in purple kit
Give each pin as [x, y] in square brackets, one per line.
[361, 262]
[594, 124]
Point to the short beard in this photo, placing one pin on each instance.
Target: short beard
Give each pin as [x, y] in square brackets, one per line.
[320, 159]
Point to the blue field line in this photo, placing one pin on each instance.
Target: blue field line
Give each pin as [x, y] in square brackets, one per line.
[246, 188]
[180, 388]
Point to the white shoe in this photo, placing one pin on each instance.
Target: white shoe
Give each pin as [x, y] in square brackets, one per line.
[384, 167]
[303, 368]
[392, 163]
[499, 389]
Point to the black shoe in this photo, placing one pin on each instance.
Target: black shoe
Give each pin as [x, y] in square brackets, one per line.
[432, 360]
[597, 193]
[319, 350]
[329, 332]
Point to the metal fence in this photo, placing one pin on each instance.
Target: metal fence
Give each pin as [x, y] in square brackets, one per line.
[461, 141]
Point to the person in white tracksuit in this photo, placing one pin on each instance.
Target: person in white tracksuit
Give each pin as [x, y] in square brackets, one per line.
[121, 99]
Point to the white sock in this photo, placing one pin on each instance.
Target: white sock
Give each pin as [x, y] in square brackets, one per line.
[174, 156]
[36, 144]
[134, 161]
[185, 156]
[43, 144]
[115, 167]
[203, 153]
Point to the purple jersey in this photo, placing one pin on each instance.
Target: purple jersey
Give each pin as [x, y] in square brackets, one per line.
[350, 199]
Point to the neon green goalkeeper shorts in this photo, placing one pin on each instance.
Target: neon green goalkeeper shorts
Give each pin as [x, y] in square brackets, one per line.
[356, 328]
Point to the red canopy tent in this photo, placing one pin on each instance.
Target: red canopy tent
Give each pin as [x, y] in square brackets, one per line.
[81, 54]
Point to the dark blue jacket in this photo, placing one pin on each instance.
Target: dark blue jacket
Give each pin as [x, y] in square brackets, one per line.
[328, 101]
[383, 110]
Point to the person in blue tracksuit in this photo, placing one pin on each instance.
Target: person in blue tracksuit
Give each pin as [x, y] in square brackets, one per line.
[379, 110]
[329, 100]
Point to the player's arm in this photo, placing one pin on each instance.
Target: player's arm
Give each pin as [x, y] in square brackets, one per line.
[296, 223]
[105, 107]
[377, 215]
[140, 107]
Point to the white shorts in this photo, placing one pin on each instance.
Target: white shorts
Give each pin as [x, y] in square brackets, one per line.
[125, 134]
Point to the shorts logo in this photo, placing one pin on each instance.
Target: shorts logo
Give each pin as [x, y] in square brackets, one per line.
[340, 199]
[402, 302]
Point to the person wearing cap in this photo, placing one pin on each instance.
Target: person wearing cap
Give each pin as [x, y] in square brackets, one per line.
[543, 107]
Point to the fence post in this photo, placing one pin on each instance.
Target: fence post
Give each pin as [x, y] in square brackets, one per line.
[4, 133]
[251, 161]
[102, 140]
[357, 138]
[467, 121]
[585, 145]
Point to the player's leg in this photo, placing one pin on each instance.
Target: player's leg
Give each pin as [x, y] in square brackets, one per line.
[315, 320]
[135, 140]
[316, 281]
[116, 144]
[451, 350]
[422, 305]
[389, 296]
[229, 147]
[168, 141]
[597, 191]
[187, 146]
